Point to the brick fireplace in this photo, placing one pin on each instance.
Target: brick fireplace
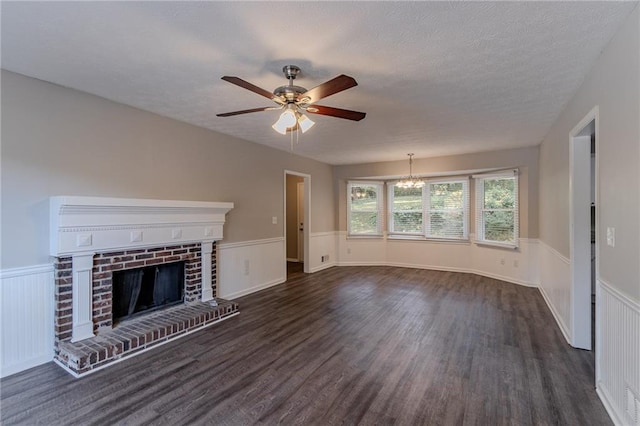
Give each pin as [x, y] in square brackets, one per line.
[91, 237]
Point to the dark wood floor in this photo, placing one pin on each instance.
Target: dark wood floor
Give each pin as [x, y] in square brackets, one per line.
[349, 345]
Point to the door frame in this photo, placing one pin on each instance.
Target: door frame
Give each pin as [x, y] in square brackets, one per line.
[307, 217]
[300, 206]
[580, 229]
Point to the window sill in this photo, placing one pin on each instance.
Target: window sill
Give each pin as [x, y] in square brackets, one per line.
[365, 237]
[421, 238]
[497, 244]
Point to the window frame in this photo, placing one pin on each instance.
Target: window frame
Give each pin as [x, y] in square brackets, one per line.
[390, 213]
[380, 225]
[480, 210]
[426, 211]
[465, 208]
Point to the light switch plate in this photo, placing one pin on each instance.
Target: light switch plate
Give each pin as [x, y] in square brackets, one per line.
[274, 220]
[611, 236]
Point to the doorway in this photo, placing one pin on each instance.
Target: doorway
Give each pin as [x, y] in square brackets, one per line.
[297, 219]
[584, 232]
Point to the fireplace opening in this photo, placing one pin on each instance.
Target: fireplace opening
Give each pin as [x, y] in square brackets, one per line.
[147, 289]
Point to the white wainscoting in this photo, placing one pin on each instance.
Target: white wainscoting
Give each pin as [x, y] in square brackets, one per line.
[249, 266]
[27, 308]
[322, 244]
[618, 354]
[361, 251]
[555, 286]
[519, 266]
[515, 266]
[428, 255]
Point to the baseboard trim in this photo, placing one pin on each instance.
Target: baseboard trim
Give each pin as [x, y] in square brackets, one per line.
[253, 289]
[606, 401]
[427, 267]
[323, 267]
[26, 365]
[504, 278]
[556, 316]
[443, 269]
[354, 263]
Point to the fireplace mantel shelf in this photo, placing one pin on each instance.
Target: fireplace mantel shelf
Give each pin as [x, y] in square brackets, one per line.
[94, 224]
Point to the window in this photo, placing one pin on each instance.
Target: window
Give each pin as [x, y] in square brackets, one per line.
[364, 208]
[497, 208]
[447, 207]
[405, 216]
[439, 210]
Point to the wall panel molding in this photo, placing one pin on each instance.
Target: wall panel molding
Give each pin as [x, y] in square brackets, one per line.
[618, 354]
[248, 266]
[26, 313]
[555, 285]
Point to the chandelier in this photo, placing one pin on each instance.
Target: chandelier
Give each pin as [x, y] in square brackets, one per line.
[410, 181]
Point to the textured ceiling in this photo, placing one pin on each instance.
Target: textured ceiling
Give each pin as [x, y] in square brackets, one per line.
[435, 78]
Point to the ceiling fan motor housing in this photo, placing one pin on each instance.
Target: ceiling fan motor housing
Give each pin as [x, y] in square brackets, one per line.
[290, 92]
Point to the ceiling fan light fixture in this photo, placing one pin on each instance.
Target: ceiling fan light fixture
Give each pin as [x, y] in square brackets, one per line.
[410, 181]
[305, 123]
[287, 120]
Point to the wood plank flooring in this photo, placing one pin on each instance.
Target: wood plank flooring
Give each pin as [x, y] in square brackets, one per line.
[348, 345]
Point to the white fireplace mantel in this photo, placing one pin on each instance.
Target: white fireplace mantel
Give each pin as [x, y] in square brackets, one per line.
[83, 226]
[98, 224]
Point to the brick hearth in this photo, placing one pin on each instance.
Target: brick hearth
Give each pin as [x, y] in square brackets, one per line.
[139, 334]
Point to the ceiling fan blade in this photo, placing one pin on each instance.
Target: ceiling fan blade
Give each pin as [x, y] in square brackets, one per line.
[246, 111]
[328, 88]
[336, 112]
[252, 87]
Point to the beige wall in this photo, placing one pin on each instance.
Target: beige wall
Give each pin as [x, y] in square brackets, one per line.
[292, 215]
[58, 141]
[526, 159]
[613, 85]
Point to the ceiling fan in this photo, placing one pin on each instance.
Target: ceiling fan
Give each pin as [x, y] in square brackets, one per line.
[296, 100]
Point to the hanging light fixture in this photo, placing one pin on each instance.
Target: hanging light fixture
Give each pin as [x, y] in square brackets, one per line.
[291, 119]
[305, 123]
[410, 181]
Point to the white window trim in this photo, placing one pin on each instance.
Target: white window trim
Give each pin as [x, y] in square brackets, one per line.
[479, 184]
[465, 209]
[390, 211]
[379, 208]
[425, 212]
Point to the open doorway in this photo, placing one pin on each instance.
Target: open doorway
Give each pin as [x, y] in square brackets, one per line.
[584, 233]
[297, 218]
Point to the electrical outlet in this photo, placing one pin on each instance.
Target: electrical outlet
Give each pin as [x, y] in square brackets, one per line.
[274, 220]
[326, 257]
[349, 251]
[502, 261]
[516, 263]
[246, 266]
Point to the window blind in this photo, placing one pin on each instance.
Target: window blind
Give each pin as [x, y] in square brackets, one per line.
[497, 217]
[365, 208]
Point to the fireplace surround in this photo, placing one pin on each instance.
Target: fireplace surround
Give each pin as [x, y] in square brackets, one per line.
[93, 237]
